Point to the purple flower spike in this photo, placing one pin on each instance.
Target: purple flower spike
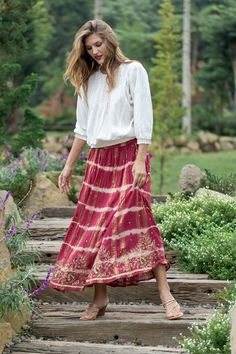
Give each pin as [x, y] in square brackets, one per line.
[69, 136]
[83, 156]
[38, 153]
[5, 199]
[44, 283]
[7, 151]
[150, 155]
[29, 222]
[9, 233]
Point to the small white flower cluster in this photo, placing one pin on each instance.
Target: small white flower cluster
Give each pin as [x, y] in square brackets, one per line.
[202, 231]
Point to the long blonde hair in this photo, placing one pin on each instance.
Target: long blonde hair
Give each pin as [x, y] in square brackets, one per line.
[80, 65]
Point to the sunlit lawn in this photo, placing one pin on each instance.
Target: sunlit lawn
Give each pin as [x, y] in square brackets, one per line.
[219, 163]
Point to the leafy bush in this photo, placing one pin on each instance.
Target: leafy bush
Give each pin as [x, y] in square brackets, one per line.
[14, 179]
[213, 252]
[14, 292]
[17, 176]
[222, 184]
[185, 218]
[203, 233]
[31, 132]
[213, 337]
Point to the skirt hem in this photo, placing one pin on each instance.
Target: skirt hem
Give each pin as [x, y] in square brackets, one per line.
[110, 282]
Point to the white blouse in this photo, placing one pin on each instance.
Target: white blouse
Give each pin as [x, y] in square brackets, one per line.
[108, 118]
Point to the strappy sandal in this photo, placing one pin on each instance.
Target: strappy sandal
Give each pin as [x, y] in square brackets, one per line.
[172, 309]
[92, 312]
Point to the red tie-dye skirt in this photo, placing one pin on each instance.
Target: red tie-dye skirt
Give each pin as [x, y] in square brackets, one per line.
[113, 237]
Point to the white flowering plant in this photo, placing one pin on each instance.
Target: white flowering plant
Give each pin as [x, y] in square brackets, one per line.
[213, 337]
[203, 233]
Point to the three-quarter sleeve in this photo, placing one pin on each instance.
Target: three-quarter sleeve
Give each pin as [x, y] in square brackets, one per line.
[81, 117]
[142, 104]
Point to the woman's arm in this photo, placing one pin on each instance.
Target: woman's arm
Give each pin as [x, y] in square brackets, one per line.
[139, 167]
[65, 176]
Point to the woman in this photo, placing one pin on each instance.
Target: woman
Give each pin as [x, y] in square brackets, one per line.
[113, 238]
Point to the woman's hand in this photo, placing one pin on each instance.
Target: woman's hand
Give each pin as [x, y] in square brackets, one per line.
[139, 172]
[64, 180]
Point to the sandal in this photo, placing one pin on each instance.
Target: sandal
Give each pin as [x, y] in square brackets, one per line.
[172, 309]
[92, 312]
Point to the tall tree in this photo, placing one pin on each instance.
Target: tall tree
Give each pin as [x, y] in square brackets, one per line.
[218, 29]
[186, 68]
[165, 83]
[14, 90]
[98, 9]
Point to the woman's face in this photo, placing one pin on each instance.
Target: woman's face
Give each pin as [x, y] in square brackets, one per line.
[95, 47]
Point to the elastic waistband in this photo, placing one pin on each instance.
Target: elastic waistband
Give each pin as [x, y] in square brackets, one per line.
[115, 146]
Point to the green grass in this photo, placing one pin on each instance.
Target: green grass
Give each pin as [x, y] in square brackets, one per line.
[219, 163]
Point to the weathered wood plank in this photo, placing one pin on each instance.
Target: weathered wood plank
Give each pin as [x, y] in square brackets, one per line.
[123, 323]
[186, 291]
[68, 211]
[49, 229]
[58, 347]
[49, 250]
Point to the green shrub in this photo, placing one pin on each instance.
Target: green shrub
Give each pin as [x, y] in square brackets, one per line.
[213, 252]
[14, 292]
[210, 338]
[222, 184]
[184, 219]
[203, 233]
[213, 337]
[31, 132]
[18, 175]
[14, 179]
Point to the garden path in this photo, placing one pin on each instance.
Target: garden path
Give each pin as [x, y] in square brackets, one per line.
[134, 322]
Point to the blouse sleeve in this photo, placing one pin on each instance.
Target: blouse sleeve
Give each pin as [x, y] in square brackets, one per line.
[81, 117]
[142, 104]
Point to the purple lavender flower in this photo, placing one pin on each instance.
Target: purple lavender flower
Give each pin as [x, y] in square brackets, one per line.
[19, 159]
[7, 151]
[64, 156]
[9, 233]
[43, 164]
[83, 156]
[29, 222]
[44, 283]
[38, 153]
[69, 136]
[5, 199]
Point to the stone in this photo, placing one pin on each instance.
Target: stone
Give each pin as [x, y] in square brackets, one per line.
[226, 145]
[190, 179]
[184, 150]
[207, 138]
[18, 319]
[43, 195]
[203, 193]
[193, 146]
[169, 142]
[76, 181]
[11, 208]
[217, 146]
[5, 262]
[171, 149]
[6, 333]
[180, 140]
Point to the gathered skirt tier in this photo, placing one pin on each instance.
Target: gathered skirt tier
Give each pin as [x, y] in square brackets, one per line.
[112, 237]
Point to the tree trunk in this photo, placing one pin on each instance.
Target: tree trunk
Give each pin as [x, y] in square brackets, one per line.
[186, 70]
[98, 9]
[233, 58]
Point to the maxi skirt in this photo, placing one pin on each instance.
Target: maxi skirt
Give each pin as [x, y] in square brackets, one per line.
[112, 237]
